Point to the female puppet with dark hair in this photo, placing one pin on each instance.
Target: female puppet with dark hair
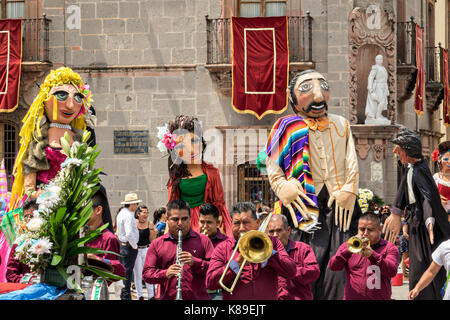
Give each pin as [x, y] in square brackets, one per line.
[190, 177]
[441, 155]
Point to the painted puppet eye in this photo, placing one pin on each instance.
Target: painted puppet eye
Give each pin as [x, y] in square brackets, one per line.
[305, 87]
[61, 95]
[78, 97]
[324, 85]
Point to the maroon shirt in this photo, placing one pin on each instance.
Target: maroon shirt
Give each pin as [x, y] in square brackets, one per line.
[15, 269]
[308, 271]
[256, 282]
[219, 237]
[162, 254]
[108, 241]
[367, 278]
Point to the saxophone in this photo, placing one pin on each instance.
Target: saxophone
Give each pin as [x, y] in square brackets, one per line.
[179, 249]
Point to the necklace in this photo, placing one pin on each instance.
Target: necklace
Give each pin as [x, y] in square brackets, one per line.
[60, 126]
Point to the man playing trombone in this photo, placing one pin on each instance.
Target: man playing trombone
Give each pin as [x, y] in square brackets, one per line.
[369, 262]
[252, 273]
[161, 265]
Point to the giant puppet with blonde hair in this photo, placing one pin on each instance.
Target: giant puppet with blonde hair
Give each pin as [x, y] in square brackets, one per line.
[61, 106]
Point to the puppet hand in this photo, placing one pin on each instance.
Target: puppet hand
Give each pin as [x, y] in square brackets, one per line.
[343, 209]
[291, 193]
[431, 233]
[391, 227]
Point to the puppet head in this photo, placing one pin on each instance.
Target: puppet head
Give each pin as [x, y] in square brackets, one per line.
[189, 145]
[59, 99]
[309, 93]
[408, 145]
[441, 155]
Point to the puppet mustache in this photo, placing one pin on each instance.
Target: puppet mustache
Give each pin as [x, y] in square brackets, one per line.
[316, 106]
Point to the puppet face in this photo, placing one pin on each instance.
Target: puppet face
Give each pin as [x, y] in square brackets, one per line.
[312, 93]
[445, 161]
[401, 153]
[69, 104]
[189, 148]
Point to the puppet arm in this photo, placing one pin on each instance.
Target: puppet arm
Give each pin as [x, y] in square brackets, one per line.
[289, 191]
[29, 185]
[346, 196]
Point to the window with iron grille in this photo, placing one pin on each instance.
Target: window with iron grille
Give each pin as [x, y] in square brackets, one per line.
[252, 185]
[261, 8]
[8, 147]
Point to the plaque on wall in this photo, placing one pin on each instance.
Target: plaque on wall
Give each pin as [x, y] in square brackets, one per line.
[130, 141]
[376, 171]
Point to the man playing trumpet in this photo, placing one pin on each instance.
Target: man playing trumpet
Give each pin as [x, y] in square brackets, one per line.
[258, 281]
[209, 220]
[369, 263]
[160, 263]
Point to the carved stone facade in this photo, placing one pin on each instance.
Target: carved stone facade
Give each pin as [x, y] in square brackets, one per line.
[370, 32]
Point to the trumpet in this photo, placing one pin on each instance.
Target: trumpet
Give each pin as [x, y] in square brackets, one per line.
[355, 244]
[205, 232]
[179, 249]
[255, 246]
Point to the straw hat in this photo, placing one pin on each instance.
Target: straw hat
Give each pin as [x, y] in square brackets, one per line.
[131, 198]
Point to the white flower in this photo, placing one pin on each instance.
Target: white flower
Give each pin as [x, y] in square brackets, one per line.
[53, 188]
[161, 146]
[162, 131]
[71, 162]
[42, 246]
[35, 224]
[47, 200]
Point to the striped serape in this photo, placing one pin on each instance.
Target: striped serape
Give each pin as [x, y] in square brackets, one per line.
[288, 146]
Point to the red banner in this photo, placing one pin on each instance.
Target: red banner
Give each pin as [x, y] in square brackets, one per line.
[420, 81]
[10, 63]
[445, 102]
[260, 69]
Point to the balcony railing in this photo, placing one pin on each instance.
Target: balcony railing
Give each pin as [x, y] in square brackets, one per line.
[219, 39]
[433, 64]
[35, 44]
[406, 42]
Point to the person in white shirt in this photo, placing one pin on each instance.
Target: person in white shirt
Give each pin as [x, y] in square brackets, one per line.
[441, 257]
[128, 234]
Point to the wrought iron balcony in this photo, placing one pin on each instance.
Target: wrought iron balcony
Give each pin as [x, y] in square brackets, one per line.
[406, 59]
[219, 39]
[433, 76]
[35, 44]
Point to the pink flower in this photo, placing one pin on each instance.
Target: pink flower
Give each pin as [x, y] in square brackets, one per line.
[169, 140]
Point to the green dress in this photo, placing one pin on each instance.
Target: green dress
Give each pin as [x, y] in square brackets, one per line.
[192, 190]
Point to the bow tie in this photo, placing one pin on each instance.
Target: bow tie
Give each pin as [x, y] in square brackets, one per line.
[317, 123]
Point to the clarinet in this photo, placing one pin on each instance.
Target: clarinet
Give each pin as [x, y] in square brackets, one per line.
[179, 249]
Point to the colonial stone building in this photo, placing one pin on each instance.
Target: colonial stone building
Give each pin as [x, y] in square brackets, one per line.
[147, 61]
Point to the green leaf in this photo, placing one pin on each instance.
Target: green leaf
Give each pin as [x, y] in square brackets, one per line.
[104, 274]
[56, 260]
[63, 242]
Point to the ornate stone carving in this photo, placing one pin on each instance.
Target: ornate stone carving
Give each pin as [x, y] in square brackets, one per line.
[379, 149]
[368, 39]
[362, 148]
[372, 137]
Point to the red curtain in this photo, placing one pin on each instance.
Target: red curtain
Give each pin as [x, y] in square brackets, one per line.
[420, 81]
[10, 63]
[260, 70]
[445, 82]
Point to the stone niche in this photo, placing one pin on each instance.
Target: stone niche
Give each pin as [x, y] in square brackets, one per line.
[370, 33]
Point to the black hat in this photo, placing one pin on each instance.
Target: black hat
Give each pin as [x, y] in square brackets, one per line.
[408, 140]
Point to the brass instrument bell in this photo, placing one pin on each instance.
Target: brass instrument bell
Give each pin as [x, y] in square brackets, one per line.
[355, 244]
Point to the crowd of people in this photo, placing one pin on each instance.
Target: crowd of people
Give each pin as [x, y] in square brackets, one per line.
[315, 242]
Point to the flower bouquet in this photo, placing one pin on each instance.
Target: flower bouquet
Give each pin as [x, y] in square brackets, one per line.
[54, 238]
[368, 200]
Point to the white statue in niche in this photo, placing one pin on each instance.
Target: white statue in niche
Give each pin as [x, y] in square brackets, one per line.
[377, 93]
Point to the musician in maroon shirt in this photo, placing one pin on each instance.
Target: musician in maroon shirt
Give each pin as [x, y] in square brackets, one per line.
[368, 273]
[308, 271]
[160, 265]
[258, 281]
[209, 220]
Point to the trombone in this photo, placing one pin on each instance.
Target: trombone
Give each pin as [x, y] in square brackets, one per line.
[255, 246]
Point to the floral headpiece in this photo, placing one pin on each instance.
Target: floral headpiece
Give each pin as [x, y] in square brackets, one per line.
[435, 155]
[86, 92]
[168, 140]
